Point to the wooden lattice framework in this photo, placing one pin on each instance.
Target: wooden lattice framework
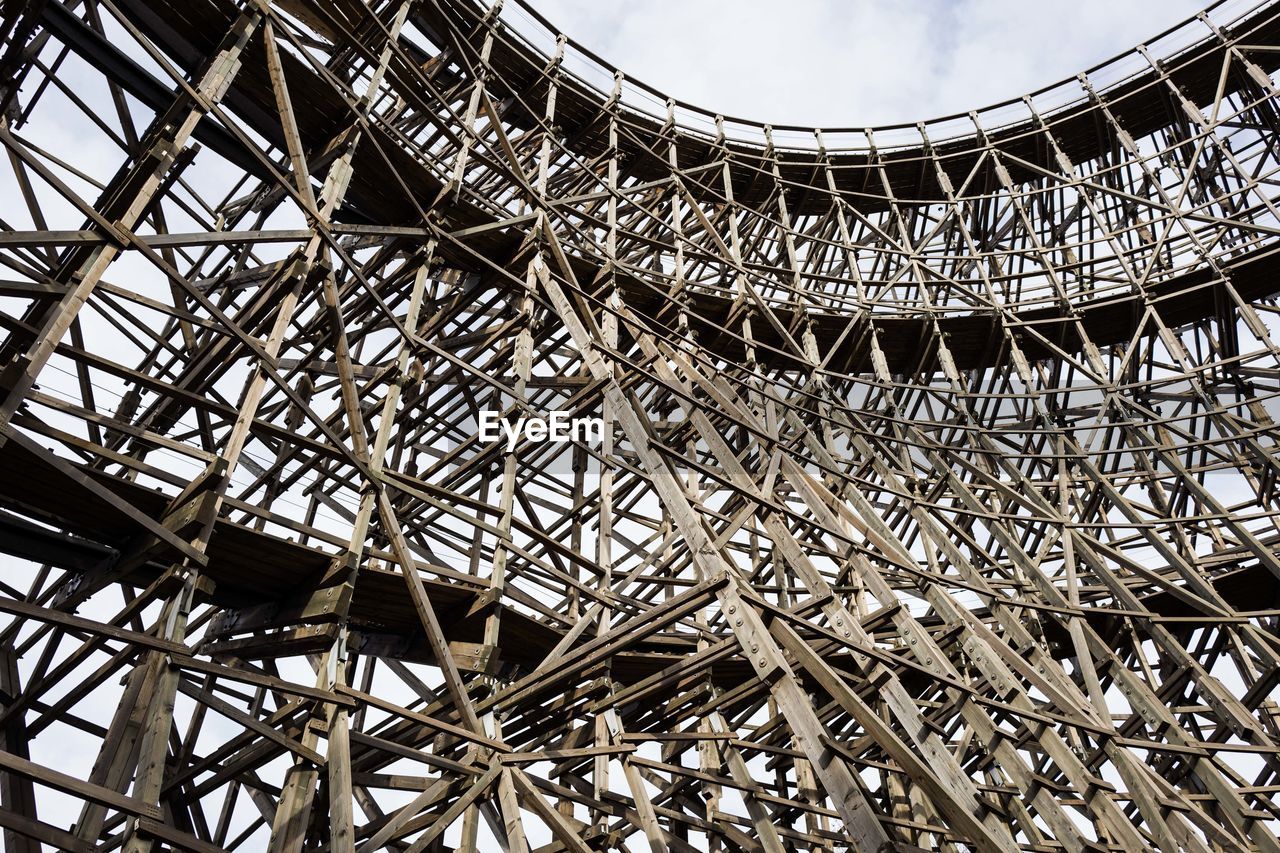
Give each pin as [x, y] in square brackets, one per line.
[936, 506]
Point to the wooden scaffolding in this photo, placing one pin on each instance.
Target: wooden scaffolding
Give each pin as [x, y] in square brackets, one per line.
[937, 505]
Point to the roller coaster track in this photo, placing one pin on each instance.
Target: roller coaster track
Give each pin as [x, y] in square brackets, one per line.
[935, 509]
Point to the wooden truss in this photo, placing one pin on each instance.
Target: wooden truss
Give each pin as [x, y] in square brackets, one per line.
[936, 506]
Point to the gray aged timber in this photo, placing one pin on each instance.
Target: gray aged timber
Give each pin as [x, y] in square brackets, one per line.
[936, 507]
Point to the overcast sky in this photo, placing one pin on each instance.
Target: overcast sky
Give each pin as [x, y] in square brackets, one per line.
[857, 62]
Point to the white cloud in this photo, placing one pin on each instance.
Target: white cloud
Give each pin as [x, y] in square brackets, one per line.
[857, 62]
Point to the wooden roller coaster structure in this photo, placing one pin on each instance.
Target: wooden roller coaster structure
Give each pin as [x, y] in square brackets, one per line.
[936, 506]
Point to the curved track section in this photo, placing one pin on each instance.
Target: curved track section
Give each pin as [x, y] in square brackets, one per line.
[932, 507]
